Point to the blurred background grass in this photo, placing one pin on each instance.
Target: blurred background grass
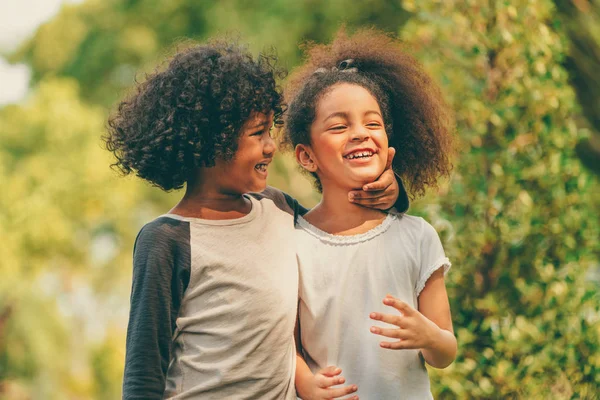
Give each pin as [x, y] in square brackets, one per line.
[519, 218]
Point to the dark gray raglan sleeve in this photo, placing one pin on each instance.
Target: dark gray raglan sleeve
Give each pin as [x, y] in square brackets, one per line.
[282, 200]
[161, 273]
[402, 202]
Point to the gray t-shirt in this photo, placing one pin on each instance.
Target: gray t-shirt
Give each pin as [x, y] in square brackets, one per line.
[345, 278]
[213, 306]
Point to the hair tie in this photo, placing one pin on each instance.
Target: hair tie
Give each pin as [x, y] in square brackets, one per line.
[343, 66]
[347, 66]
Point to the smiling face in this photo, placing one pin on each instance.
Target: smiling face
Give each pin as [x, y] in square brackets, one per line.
[247, 172]
[349, 145]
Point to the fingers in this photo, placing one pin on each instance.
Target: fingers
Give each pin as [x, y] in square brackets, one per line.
[385, 180]
[387, 318]
[399, 305]
[378, 184]
[381, 202]
[393, 333]
[357, 195]
[330, 371]
[399, 345]
[369, 200]
[343, 391]
[324, 381]
[328, 377]
[391, 154]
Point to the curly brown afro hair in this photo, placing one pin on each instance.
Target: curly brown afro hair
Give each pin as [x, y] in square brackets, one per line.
[418, 122]
[191, 113]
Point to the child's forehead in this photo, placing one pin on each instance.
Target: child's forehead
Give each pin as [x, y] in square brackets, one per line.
[345, 88]
[346, 96]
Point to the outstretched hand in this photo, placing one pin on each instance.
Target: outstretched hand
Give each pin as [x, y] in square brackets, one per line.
[381, 194]
[320, 386]
[414, 330]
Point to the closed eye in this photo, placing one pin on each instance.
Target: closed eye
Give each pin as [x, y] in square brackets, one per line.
[261, 132]
[337, 128]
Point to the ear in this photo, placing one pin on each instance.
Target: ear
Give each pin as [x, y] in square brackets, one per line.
[305, 158]
[390, 158]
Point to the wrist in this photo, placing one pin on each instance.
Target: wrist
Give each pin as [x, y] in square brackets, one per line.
[434, 336]
[303, 384]
[442, 349]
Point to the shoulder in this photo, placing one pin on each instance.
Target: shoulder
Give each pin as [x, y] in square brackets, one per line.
[427, 230]
[163, 228]
[163, 233]
[415, 224]
[417, 229]
[282, 200]
[162, 248]
[410, 224]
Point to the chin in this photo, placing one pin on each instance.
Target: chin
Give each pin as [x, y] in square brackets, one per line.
[366, 177]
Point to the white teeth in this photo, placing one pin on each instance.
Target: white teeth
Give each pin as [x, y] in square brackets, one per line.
[359, 154]
[261, 167]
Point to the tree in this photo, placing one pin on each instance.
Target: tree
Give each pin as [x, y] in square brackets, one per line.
[518, 214]
[61, 219]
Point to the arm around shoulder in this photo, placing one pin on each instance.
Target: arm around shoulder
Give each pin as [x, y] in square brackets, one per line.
[283, 200]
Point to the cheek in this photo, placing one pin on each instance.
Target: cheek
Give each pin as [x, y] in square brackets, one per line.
[328, 149]
[249, 154]
[238, 166]
[382, 139]
[383, 143]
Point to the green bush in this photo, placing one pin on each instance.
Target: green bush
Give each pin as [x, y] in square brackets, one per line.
[518, 216]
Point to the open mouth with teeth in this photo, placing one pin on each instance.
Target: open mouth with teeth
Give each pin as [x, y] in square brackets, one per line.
[360, 155]
[261, 167]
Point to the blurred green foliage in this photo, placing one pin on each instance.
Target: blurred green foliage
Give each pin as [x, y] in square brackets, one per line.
[519, 217]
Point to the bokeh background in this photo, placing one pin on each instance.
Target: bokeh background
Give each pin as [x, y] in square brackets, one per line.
[519, 217]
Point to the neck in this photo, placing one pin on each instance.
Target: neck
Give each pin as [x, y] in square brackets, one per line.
[204, 198]
[336, 214]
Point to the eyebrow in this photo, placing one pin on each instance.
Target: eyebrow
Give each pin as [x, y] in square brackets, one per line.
[259, 125]
[345, 115]
[373, 112]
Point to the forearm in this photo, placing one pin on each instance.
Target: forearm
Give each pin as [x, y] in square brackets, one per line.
[303, 375]
[443, 350]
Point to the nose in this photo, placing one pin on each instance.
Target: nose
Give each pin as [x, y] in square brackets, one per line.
[360, 134]
[269, 146]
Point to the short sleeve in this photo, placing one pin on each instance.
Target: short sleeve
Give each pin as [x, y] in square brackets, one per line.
[432, 256]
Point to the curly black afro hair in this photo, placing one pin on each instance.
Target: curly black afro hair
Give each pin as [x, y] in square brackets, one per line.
[419, 124]
[191, 113]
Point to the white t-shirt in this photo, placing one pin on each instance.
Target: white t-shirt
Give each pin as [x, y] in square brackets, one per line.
[345, 278]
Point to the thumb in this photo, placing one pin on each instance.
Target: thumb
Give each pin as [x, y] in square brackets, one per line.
[330, 371]
[391, 154]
